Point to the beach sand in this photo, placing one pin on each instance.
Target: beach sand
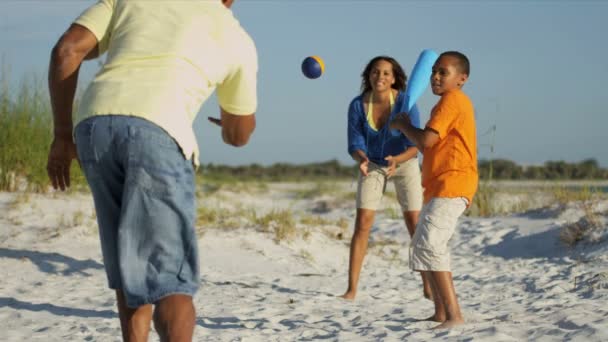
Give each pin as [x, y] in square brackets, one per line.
[515, 279]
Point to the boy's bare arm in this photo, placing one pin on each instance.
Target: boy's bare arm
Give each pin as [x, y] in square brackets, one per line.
[423, 138]
[408, 154]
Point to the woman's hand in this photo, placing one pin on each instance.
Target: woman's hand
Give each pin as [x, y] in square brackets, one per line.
[392, 166]
[364, 165]
[363, 161]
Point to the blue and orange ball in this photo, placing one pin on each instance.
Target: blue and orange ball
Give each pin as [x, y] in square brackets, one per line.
[313, 67]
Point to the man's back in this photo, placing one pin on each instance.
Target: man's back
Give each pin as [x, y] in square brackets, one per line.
[165, 58]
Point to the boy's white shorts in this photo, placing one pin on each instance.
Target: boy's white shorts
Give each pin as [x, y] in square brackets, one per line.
[437, 222]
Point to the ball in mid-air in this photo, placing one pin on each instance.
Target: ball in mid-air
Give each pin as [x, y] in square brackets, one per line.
[313, 67]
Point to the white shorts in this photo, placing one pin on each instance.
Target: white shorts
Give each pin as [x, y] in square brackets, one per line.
[407, 181]
[436, 225]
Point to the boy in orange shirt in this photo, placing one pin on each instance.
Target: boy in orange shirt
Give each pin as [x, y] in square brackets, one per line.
[449, 177]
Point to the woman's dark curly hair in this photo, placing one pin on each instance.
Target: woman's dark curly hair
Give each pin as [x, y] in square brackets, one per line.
[398, 73]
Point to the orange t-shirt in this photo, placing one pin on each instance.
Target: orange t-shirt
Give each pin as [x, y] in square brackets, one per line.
[449, 168]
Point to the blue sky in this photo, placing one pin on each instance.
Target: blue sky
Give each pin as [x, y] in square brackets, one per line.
[538, 70]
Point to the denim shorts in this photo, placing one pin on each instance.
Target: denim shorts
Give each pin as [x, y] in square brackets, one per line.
[143, 189]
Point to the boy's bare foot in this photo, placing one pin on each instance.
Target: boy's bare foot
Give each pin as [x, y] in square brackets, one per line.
[450, 324]
[434, 318]
[348, 296]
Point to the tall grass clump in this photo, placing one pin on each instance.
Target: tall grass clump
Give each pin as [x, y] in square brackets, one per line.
[564, 195]
[25, 135]
[589, 228]
[222, 218]
[281, 222]
[483, 201]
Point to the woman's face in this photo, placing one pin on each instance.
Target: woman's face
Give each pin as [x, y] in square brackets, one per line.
[381, 76]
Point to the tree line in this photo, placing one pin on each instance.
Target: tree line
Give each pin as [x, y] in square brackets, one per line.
[550, 170]
[500, 169]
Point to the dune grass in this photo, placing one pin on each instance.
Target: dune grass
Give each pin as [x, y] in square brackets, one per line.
[591, 228]
[317, 190]
[484, 201]
[564, 195]
[25, 136]
[281, 222]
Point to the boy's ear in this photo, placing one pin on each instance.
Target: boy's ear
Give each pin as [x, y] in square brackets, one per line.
[463, 79]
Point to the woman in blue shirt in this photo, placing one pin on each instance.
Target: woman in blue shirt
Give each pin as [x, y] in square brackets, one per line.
[382, 154]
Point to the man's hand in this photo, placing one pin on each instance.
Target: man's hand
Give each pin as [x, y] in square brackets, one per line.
[60, 159]
[392, 166]
[236, 129]
[215, 121]
[400, 122]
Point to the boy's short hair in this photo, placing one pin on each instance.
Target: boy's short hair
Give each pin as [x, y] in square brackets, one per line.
[463, 62]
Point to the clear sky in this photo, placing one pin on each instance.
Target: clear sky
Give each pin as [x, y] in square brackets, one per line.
[539, 70]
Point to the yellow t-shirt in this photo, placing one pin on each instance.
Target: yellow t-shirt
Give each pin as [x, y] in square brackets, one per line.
[165, 58]
[449, 168]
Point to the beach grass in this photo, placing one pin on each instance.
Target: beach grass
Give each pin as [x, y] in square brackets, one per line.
[25, 136]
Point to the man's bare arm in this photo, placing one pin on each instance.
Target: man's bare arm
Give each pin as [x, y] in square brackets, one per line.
[236, 129]
[73, 47]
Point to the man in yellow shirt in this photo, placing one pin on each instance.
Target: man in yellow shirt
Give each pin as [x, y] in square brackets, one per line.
[449, 177]
[134, 139]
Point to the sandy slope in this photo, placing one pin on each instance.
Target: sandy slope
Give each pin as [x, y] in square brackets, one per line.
[514, 278]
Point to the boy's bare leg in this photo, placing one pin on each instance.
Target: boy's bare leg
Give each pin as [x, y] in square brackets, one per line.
[447, 294]
[358, 248]
[440, 314]
[411, 220]
[174, 318]
[426, 284]
[134, 323]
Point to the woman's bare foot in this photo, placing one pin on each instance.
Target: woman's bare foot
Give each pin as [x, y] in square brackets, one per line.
[450, 324]
[349, 295]
[434, 318]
